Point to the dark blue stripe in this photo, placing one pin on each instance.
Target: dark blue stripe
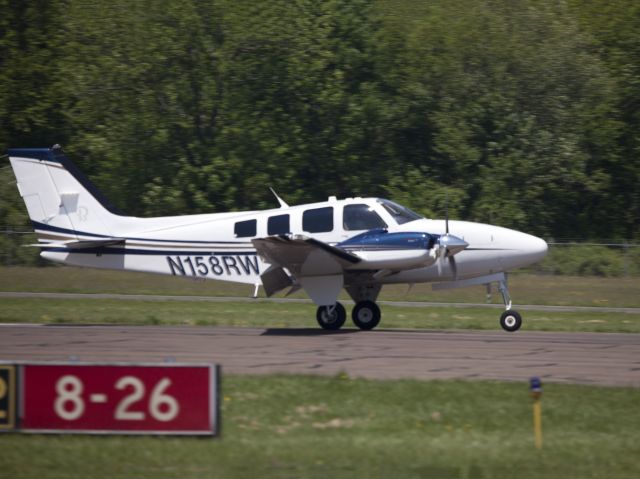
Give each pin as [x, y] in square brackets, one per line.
[42, 154]
[124, 251]
[57, 229]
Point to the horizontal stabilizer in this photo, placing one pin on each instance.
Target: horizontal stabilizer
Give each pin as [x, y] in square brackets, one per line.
[81, 244]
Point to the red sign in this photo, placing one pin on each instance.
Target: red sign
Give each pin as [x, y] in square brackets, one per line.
[119, 398]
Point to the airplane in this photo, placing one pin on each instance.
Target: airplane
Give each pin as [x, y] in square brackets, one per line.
[359, 244]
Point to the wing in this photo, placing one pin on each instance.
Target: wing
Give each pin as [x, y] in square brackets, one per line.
[304, 256]
[318, 267]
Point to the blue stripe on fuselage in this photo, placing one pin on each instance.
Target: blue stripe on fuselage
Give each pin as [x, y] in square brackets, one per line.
[136, 251]
[57, 229]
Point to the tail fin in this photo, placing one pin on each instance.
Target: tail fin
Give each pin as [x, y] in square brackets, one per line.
[63, 204]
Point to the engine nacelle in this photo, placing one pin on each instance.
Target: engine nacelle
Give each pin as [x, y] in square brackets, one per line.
[379, 249]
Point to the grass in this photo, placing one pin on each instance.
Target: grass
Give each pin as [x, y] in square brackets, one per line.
[524, 288]
[268, 314]
[308, 427]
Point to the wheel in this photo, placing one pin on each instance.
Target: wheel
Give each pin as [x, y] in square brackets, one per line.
[331, 320]
[510, 320]
[366, 315]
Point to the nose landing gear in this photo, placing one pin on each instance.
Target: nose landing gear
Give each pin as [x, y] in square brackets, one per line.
[510, 320]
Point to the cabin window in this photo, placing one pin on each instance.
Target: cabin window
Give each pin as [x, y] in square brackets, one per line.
[318, 220]
[361, 217]
[278, 225]
[245, 229]
[401, 214]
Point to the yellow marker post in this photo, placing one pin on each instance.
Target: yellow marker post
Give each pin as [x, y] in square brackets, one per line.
[536, 394]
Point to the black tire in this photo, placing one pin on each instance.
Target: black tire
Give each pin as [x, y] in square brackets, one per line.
[366, 315]
[510, 320]
[334, 321]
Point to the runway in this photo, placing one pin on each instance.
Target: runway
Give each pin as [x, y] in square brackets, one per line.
[609, 359]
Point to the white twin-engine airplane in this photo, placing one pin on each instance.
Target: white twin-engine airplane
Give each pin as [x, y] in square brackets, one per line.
[358, 244]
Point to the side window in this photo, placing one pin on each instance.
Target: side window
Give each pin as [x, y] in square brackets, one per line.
[361, 217]
[278, 225]
[245, 229]
[318, 220]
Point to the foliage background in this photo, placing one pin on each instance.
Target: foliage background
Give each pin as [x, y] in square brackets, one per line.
[527, 112]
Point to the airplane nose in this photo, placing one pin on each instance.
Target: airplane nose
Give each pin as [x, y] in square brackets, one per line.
[533, 248]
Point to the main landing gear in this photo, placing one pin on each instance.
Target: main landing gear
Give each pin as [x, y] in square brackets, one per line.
[510, 320]
[366, 315]
[331, 318]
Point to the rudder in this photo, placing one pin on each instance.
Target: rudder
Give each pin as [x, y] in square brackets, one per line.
[62, 203]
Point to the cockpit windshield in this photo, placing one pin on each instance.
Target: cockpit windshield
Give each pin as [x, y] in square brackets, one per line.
[400, 214]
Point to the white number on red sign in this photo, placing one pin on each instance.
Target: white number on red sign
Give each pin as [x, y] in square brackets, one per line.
[69, 389]
[158, 399]
[122, 411]
[69, 404]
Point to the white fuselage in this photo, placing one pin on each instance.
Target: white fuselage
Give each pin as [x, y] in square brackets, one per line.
[218, 246]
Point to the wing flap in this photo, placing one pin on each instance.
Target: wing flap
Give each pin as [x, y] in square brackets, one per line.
[275, 279]
[304, 256]
[315, 266]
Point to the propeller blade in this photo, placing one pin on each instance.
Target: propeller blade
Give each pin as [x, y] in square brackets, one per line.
[453, 266]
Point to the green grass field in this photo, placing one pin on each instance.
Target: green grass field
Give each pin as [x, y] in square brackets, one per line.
[319, 427]
[277, 315]
[299, 427]
[524, 288]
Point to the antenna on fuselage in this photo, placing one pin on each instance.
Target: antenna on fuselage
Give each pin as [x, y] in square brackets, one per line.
[446, 211]
[283, 204]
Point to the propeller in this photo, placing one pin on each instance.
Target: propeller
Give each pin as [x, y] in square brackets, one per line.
[448, 246]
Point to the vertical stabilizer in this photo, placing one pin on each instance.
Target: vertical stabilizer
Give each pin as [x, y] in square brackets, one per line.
[62, 203]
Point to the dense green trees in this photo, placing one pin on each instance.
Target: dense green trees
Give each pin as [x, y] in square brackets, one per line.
[526, 112]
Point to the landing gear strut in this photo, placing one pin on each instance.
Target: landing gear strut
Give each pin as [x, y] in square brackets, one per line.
[332, 317]
[510, 320]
